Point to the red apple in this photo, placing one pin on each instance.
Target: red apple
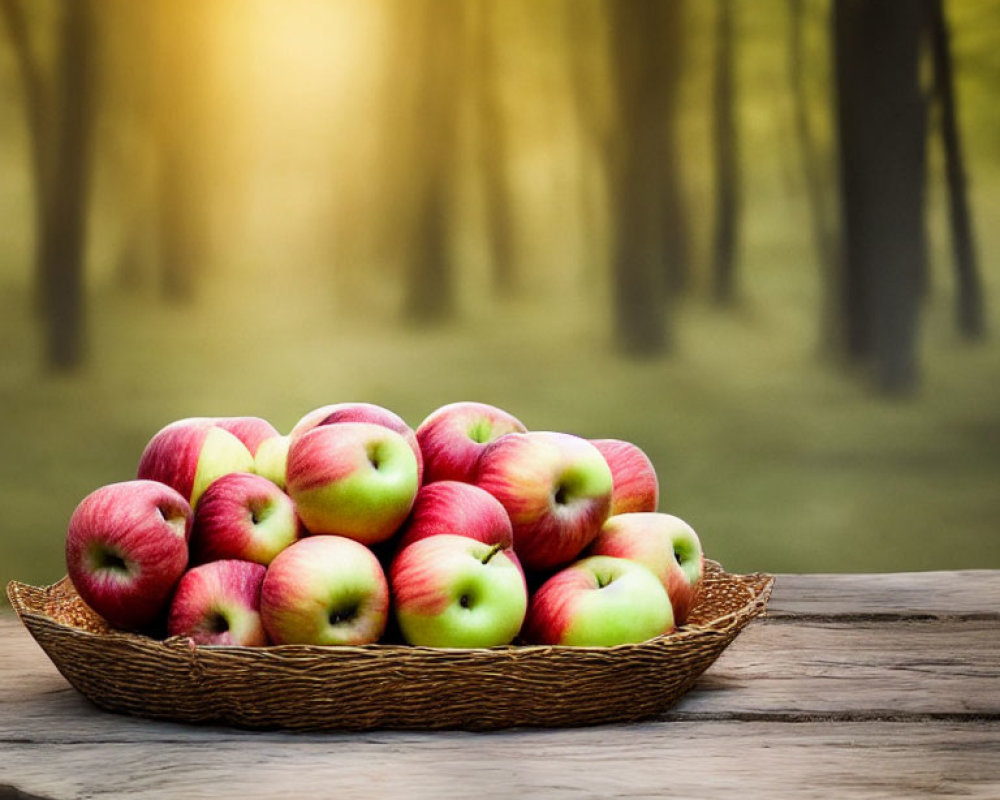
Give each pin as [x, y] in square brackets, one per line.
[249, 430]
[361, 412]
[635, 484]
[454, 436]
[219, 603]
[455, 591]
[243, 516]
[457, 508]
[352, 479]
[556, 488]
[191, 453]
[599, 602]
[665, 544]
[325, 590]
[126, 548]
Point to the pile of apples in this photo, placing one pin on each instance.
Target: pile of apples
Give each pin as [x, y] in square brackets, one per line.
[354, 528]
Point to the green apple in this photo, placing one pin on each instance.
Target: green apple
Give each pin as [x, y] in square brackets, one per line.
[353, 479]
[599, 601]
[454, 591]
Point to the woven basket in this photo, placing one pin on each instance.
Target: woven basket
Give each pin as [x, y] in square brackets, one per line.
[383, 685]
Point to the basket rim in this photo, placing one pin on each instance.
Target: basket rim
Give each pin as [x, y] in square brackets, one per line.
[754, 606]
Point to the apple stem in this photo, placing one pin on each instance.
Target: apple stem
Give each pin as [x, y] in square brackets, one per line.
[496, 549]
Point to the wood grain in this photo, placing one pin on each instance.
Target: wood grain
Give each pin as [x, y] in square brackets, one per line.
[969, 593]
[685, 759]
[855, 686]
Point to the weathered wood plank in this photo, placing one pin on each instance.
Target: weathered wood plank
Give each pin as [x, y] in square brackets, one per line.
[687, 759]
[970, 593]
[792, 670]
[854, 670]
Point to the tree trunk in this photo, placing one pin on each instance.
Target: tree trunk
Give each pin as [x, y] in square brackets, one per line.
[882, 135]
[821, 215]
[969, 309]
[638, 168]
[666, 57]
[727, 177]
[63, 240]
[430, 294]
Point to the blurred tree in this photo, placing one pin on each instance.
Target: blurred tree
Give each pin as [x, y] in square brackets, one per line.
[39, 122]
[822, 216]
[433, 53]
[727, 159]
[60, 119]
[650, 238]
[492, 145]
[970, 296]
[583, 31]
[882, 133]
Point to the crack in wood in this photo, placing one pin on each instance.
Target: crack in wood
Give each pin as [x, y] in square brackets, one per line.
[8, 792]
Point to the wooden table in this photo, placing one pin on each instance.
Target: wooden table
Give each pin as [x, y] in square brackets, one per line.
[853, 686]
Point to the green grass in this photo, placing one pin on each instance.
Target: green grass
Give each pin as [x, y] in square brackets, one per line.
[781, 462]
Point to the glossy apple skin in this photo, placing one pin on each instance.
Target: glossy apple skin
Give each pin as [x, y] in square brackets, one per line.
[271, 460]
[126, 548]
[353, 479]
[454, 591]
[219, 603]
[249, 430]
[599, 602]
[243, 516]
[556, 489]
[457, 508]
[326, 590]
[454, 436]
[191, 453]
[665, 544]
[361, 412]
[636, 487]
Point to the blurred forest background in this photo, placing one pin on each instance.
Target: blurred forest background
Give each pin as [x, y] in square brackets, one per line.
[759, 239]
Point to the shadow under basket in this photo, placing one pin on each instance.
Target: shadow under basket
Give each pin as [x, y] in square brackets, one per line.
[301, 687]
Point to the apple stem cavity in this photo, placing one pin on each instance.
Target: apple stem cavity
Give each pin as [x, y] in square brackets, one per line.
[493, 551]
[374, 455]
[174, 519]
[343, 614]
[111, 561]
[481, 431]
[218, 623]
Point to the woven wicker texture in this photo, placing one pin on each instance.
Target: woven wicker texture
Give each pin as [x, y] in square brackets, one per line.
[384, 685]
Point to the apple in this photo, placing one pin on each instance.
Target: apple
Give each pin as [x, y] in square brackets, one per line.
[599, 601]
[361, 412]
[252, 431]
[457, 508]
[126, 548]
[243, 516]
[325, 590]
[271, 459]
[191, 453]
[556, 488]
[454, 591]
[665, 544]
[453, 437]
[353, 479]
[636, 487]
[219, 603]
